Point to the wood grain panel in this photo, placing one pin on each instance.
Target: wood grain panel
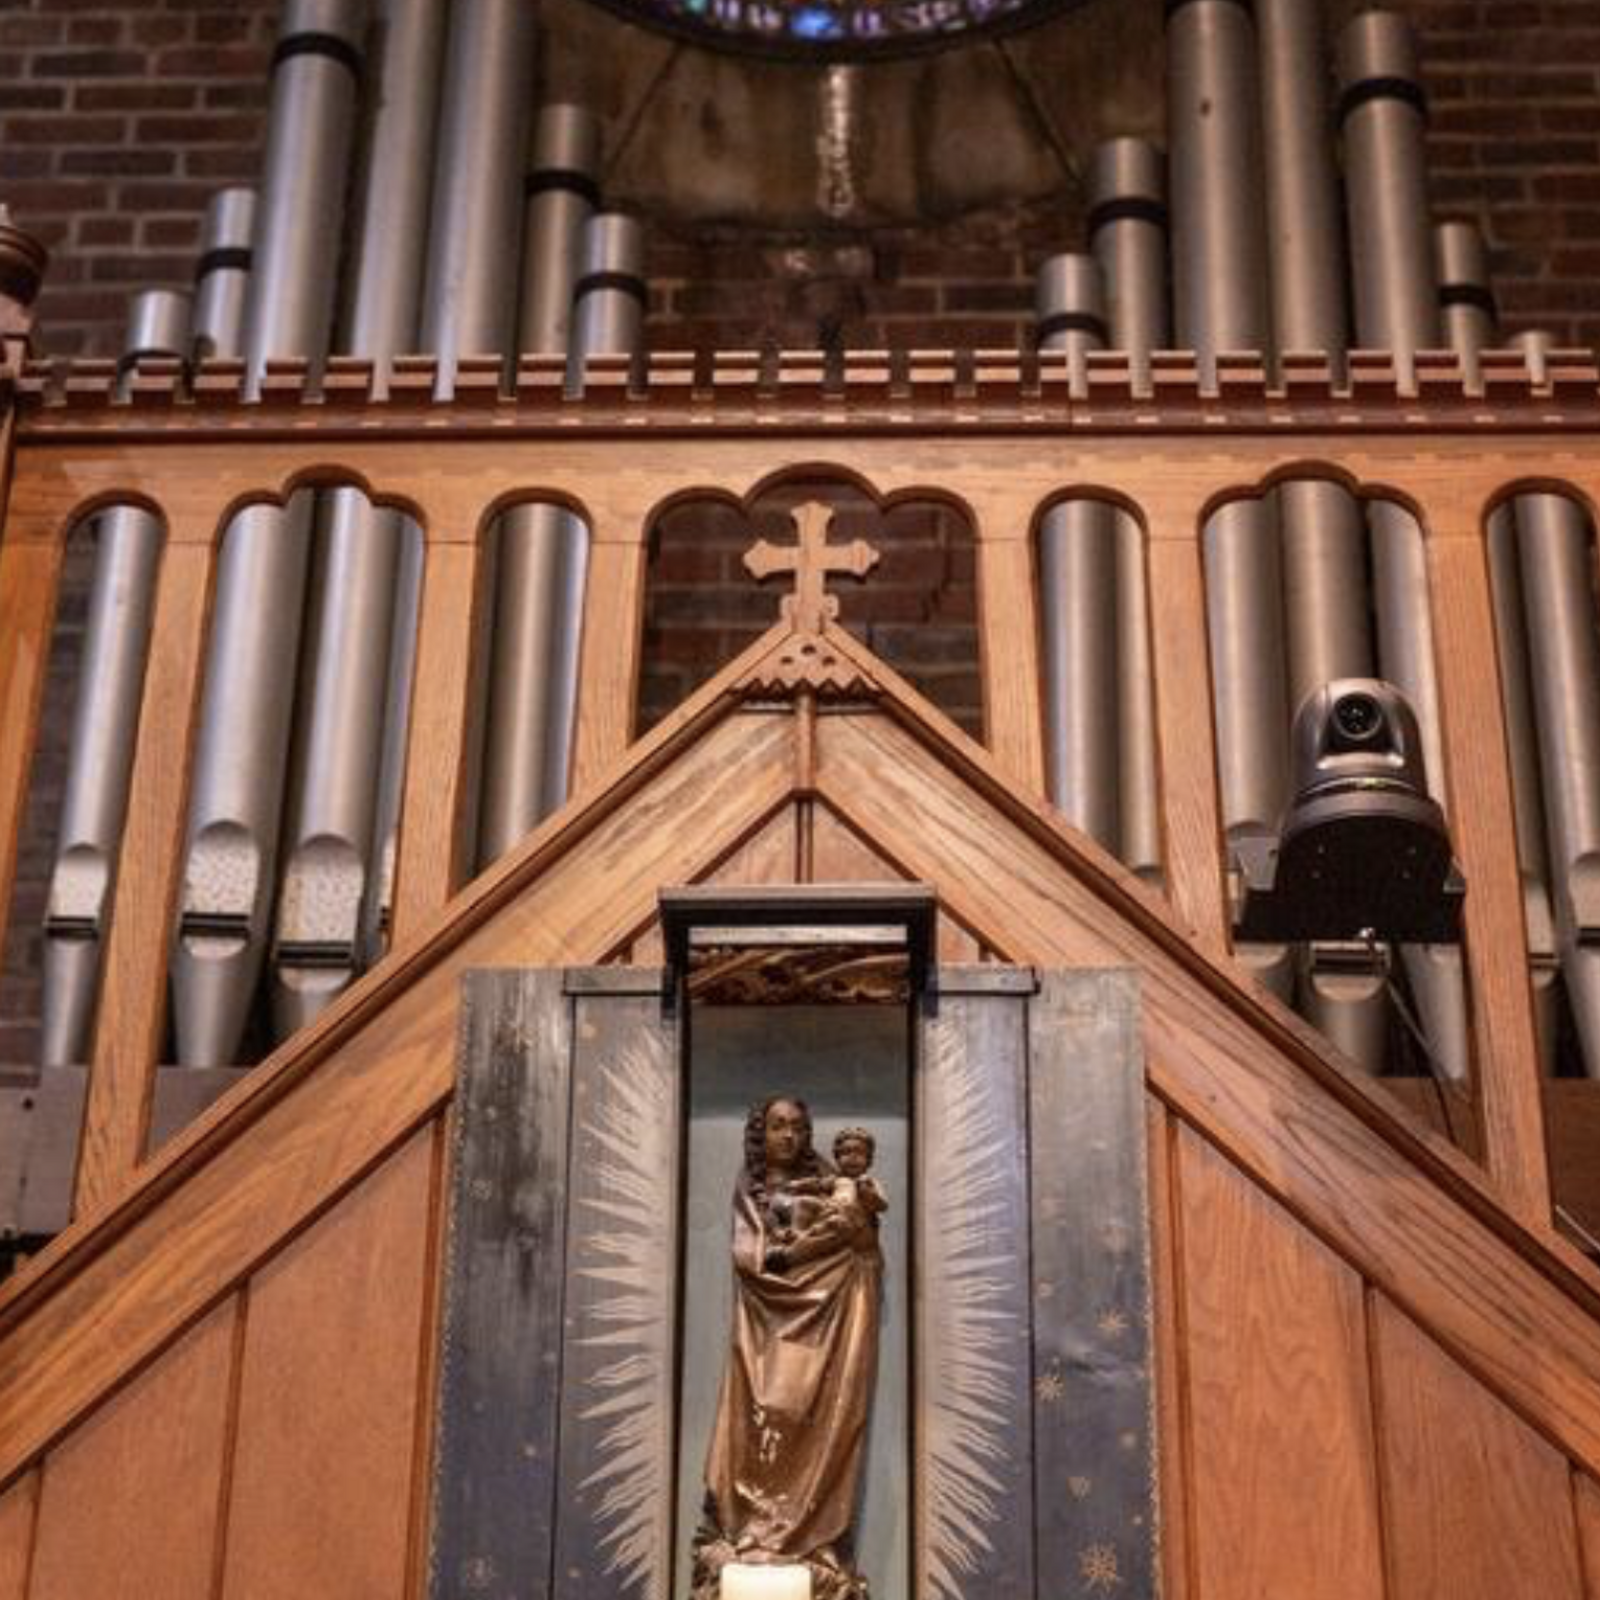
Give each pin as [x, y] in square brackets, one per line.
[1008, 645]
[302, 1129]
[1284, 1480]
[431, 848]
[133, 991]
[1172, 1419]
[320, 1502]
[30, 569]
[840, 855]
[130, 1502]
[1476, 1505]
[608, 667]
[1586, 1506]
[1412, 1215]
[769, 855]
[18, 1508]
[1185, 737]
[1483, 830]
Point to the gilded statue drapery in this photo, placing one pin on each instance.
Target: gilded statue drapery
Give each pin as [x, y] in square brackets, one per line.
[784, 1468]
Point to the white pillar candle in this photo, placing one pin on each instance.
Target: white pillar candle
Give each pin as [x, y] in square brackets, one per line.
[743, 1582]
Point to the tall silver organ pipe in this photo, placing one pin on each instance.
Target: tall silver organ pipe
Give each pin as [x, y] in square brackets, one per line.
[105, 727]
[1128, 236]
[330, 846]
[255, 629]
[1220, 292]
[1322, 533]
[1078, 591]
[222, 275]
[1469, 320]
[543, 549]
[1557, 562]
[1382, 119]
[469, 301]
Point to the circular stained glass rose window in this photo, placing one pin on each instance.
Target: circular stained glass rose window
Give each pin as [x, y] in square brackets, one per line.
[836, 30]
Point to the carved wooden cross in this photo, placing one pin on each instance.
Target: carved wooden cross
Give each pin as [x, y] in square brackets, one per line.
[812, 559]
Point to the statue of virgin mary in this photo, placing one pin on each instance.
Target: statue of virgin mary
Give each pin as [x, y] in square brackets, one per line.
[783, 1472]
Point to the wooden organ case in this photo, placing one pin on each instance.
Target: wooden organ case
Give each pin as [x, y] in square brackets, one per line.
[1376, 1360]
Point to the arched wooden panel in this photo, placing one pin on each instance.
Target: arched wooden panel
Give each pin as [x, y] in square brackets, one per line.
[1477, 1505]
[322, 1475]
[129, 1501]
[1283, 1482]
[17, 1508]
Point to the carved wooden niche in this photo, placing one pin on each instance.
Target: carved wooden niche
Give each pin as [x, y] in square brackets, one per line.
[600, 1114]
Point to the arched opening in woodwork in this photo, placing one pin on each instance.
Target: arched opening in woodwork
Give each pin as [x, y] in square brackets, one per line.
[1096, 691]
[1540, 544]
[1309, 580]
[917, 609]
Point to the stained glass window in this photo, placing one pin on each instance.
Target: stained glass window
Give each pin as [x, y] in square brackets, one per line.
[835, 29]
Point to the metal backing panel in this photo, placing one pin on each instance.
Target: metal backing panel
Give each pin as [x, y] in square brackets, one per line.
[1093, 1449]
[501, 1380]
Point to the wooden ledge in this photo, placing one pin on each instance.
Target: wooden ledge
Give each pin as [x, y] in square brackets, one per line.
[1106, 392]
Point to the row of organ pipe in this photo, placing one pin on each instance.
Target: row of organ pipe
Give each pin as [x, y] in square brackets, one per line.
[290, 838]
[1242, 237]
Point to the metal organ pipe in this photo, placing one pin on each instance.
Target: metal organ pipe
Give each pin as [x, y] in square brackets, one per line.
[470, 293]
[1396, 302]
[255, 631]
[543, 549]
[105, 727]
[1078, 586]
[607, 319]
[1128, 235]
[1322, 533]
[1468, 316]
[331, 846]
[222, 275]
[1557, 563]
[1219, 274]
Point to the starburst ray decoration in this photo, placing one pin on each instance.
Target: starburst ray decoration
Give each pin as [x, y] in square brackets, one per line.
[970, 1366]
[631, 1124]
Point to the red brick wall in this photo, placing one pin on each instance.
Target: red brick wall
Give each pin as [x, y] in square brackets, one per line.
[117, 122]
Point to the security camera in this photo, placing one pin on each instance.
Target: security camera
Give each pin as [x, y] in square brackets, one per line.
[1363, 846]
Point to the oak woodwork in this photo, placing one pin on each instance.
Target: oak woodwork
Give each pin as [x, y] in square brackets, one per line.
[1407, 1212]
[1586, 1507]
[328, 1398]
[430, 851]
[1477, 1505]
[129, 1504]
[18, 1511]
[613, 637]
[308, 1123]
[1174, 1443]
[30, 569]
[133, 990]
[1483, 830]
[1284, 1488]
[1008, 646]
[1185, 736]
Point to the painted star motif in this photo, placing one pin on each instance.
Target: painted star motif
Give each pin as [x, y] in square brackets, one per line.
[1079, 1488]
[1112, 1322]
[1049, 1387]
[1098, 1564]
